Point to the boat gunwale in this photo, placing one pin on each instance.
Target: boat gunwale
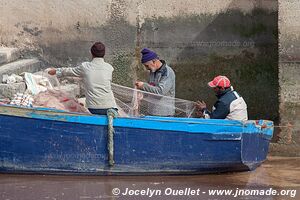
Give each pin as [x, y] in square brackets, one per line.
[60, 115]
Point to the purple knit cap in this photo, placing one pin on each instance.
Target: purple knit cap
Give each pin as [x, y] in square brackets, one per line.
[148, 55]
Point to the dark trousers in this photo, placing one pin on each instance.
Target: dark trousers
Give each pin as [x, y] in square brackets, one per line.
[100, 111]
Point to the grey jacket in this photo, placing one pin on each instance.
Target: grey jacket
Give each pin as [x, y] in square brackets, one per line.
[97, 77]
[162, 82]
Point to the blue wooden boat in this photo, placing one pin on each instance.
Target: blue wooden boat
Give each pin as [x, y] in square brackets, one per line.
[56, 142]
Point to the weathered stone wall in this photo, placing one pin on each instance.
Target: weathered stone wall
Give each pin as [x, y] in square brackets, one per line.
[198, 38]
[289, 79]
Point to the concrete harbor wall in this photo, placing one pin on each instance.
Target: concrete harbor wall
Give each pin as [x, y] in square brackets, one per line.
[288, 141]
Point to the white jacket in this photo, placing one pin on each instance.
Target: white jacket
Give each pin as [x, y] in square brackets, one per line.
[97, 77]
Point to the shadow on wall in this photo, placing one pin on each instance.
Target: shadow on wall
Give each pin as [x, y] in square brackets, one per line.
[242, 46]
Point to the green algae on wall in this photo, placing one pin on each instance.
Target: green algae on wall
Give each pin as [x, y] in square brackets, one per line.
[123, 73]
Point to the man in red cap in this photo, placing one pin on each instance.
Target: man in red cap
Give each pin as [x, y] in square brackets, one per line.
[230, 104]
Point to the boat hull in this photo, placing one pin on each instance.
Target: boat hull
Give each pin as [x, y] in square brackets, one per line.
[56, 143]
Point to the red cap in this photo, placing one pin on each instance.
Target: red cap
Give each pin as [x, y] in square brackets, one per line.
[220, 81]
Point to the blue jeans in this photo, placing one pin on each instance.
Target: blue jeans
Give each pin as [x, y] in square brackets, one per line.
[100, 111]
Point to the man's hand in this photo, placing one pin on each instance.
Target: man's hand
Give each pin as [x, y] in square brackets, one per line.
[199, 114]
[200, 105]
[139, 84]
[51, 71]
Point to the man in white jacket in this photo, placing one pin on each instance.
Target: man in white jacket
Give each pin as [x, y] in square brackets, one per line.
[97, 77]
[230, 105]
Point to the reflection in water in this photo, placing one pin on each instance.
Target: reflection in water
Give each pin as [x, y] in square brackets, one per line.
[275, 174]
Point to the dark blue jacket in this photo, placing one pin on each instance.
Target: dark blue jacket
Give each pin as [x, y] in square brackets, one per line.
[230, 105]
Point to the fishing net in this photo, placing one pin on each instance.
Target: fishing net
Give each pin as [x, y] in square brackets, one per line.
[58, 100]
[132, 103]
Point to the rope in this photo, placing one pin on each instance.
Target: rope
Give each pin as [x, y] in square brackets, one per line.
[111, 114]
[288, 125]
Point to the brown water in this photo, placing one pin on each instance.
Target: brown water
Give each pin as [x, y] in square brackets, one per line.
[277, 174]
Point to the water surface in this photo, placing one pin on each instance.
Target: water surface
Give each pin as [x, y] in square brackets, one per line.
[277, 173]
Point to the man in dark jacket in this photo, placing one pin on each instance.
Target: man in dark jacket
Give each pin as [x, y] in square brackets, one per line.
[230, 105]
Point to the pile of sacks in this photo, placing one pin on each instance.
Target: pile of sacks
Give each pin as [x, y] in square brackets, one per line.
[41, 93]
